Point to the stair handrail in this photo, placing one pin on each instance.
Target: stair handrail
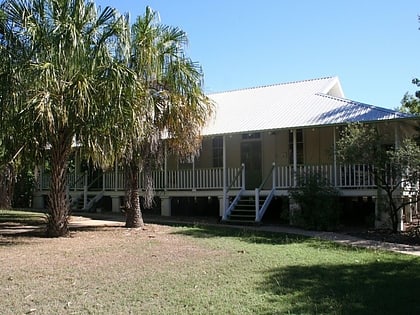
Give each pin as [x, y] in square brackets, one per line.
[238, 174]
[86, 188]
[95, 180]
[229, 209]
[269, 174]
[92, 201]
[259, 212]
[79, 179]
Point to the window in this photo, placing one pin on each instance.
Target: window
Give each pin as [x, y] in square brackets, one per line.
[299, 146]
[218, 152]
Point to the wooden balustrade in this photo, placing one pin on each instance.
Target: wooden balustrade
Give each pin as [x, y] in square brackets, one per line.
[343, 176]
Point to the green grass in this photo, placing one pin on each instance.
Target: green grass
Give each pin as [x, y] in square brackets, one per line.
[201, 270]
[22, 217]
[286, 274]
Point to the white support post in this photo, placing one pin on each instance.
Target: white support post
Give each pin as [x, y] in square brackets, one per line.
[409, 210]
[225, 197]
[103, 180]
[116, 204]
[400, 226]
[165, 168]
[294, 158]
[274, 176]
[193, 175]
[165, 206]
[85, 189]
[116, 175]
[221, 207]
[76, 169]
[257, 204]
[335, 156]
[243, 176]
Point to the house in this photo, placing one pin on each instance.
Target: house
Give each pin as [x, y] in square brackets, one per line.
[260, 140]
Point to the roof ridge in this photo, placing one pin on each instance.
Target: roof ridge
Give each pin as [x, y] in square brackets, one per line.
[274, 84]
[382, 109]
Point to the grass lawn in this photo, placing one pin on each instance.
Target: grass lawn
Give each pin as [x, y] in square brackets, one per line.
[198, 270]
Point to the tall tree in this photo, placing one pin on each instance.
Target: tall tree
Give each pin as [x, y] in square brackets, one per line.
[73, 82]
[11, 136]
[173, 105]
[393, 169]
[410, 104]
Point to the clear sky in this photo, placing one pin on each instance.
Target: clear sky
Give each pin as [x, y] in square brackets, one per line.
[373, 46]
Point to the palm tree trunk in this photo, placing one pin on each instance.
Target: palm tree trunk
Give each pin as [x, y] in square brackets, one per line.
[58, 206]
[134, 218]
[7, 182]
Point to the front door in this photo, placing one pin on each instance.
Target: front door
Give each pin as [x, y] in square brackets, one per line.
[251, 157]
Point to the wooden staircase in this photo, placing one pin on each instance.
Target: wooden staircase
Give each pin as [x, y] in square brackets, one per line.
[77, 204]
[244, 211]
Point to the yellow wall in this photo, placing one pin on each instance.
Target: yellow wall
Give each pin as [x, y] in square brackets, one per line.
[318, 147]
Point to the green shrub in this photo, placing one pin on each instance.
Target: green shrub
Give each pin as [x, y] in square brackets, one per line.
[318, 201]
[22, 194]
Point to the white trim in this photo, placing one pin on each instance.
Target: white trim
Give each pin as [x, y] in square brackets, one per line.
[225, 197]
[294, 158]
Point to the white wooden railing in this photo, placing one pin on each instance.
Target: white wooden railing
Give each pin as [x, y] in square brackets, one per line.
[198, 179]
[239, 177]
[343, 176]
[259, 211]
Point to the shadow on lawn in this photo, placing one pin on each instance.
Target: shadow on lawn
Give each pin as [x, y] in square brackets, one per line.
[27, 219]
[14, 226]
[14, 231]
[389, 287]
[244, 234]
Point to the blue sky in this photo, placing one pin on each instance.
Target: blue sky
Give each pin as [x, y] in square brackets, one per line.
[373, 46]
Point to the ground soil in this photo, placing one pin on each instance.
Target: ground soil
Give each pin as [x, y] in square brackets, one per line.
[85, 233]
[410, 235]
[407, 237]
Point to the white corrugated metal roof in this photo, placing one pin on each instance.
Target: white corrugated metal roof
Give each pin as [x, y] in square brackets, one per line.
[290, 105]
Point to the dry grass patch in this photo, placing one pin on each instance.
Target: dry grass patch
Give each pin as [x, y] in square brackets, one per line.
[200, 270]
[98, 270]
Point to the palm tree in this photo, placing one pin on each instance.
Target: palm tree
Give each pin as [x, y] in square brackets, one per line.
[172, 102]
[75, 76]
[11, 140]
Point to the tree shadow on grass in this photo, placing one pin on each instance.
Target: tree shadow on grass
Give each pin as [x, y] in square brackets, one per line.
[389, 287]
[244, 234]
[27, 219]
[12, 233]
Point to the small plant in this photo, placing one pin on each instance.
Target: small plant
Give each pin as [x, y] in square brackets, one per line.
[318, 201]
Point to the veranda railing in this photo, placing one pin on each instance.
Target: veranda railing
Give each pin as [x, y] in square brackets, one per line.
[342, 176]
[187, 179]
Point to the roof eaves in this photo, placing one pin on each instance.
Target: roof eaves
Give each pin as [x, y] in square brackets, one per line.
[396, 114]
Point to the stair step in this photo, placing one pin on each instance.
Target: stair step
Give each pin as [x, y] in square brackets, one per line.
[244, 211]
[247, 210]
[251, 204]
[245, 206]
